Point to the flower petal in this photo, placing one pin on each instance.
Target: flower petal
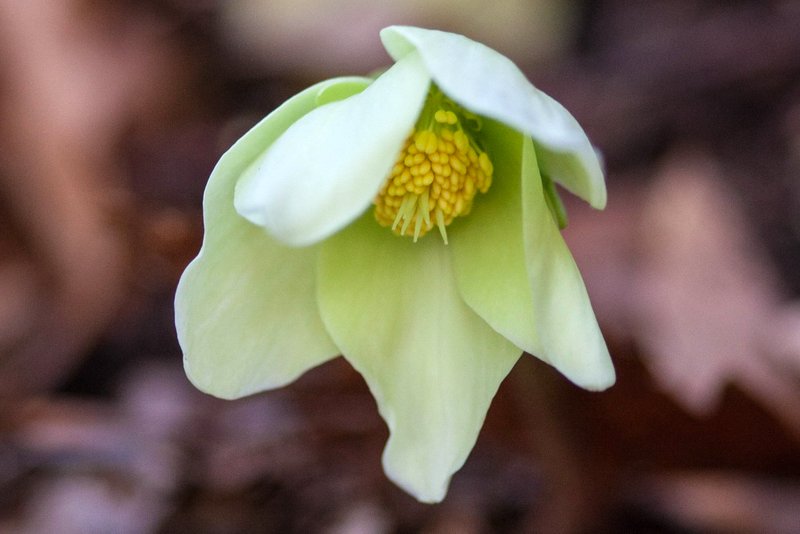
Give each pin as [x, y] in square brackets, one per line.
[489, 84]
[514, 269]
[328, 166]
[579, 170]
[432, 365]
[245, 308]
[488, 246]
[567, 327]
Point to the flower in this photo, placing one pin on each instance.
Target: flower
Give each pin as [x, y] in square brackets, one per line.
[317, 244]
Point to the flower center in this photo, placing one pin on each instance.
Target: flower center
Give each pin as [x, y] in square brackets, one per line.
[437, 174]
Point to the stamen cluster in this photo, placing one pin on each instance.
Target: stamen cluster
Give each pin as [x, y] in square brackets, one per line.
[435, 179]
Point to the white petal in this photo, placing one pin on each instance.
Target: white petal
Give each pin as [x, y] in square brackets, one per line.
[488, 246]
[566, 325]
[489, 84]
[515, 270]
[432, 365]
[579, 170]
[328, 166]
[246, 309]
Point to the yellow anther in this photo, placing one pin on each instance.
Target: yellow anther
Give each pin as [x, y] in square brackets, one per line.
[425, 141]
[438, 173]
[486, 164]
[469, 188]
[461, 141]
[445, 117]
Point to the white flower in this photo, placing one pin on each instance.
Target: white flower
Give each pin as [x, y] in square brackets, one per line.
[297, 268]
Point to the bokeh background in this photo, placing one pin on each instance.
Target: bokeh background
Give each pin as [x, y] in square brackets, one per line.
[112, 115]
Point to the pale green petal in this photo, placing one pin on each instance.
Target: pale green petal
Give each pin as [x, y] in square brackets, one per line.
[579, 171]
[567, 328]
[489, 84]
[514, 269]
[327, 167]
[245, 308]
[344, 87]
[432, 365]
[488, 246]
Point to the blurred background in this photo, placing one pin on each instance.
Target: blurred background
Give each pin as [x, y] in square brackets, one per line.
[112, 115]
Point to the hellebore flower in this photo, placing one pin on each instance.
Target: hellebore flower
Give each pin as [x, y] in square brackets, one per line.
[410, 224]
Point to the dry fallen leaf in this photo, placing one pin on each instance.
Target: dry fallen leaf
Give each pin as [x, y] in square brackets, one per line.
[723, 502]
[707, 309]
[74, 77]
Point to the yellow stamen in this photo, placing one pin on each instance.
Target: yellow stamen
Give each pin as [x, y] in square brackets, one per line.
[437, 174]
